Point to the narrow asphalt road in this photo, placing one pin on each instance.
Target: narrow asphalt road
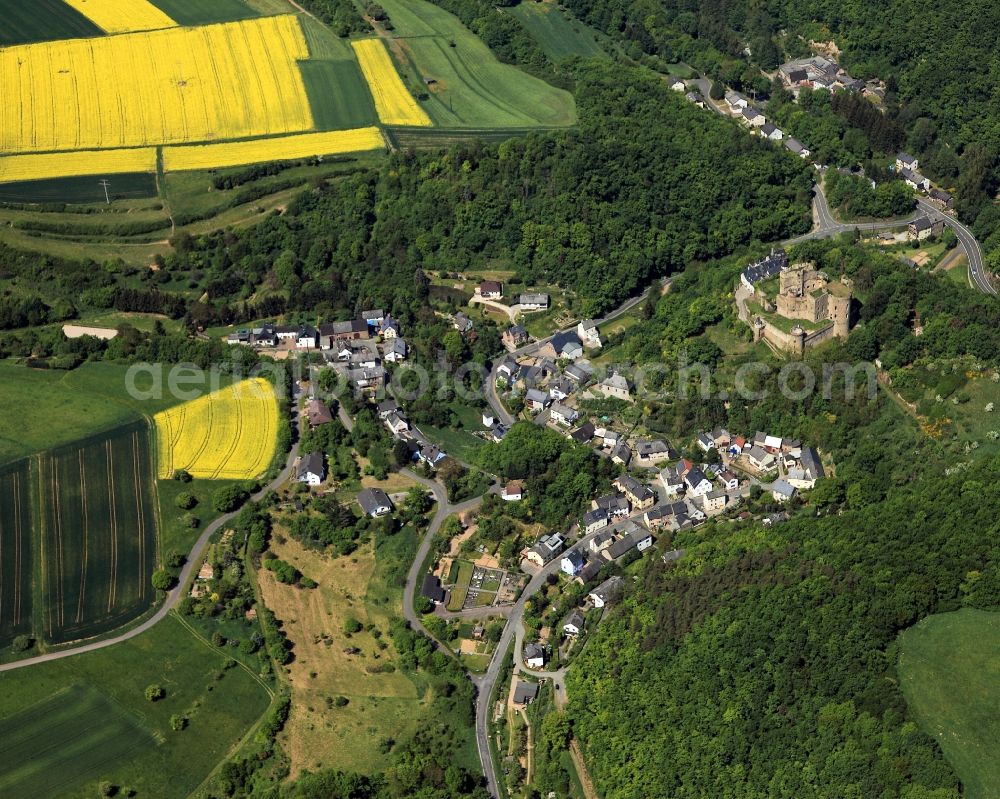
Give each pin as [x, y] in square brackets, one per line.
[175, 594]
[977, 272]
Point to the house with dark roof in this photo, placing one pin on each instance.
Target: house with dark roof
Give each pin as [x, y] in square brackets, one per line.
[594, 520]
[638, 538]
[564, 345]
[533, 656]
[432, 590]
[311, 469]
[514, 337]
[607, 592]
[374, 502]
[621, 454]
[318, 413]
[572, 563]
[616, 505]
[640, 495]
[545, 549]
[490, 290]
[533, 301]
[653, 451]
[574, 623]
[764, 269]
[584, 433]
[524, 693]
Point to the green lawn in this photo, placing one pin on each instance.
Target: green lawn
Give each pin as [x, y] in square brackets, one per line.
[472, 89]
[458, 593]
[42, 20]
[220, 705]
[949, 670]
[558, 32]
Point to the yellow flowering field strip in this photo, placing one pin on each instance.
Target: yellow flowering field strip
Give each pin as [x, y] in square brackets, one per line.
[394, 103]
[234, 80]
[40, 166]
[121, 16]
[285, 148]
[229, 434]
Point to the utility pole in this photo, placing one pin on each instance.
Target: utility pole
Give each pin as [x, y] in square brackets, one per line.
[105, 184]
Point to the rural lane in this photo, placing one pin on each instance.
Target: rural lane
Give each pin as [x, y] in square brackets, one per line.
[174, 595]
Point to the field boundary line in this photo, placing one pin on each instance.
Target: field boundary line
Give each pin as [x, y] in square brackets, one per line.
[83, 559]
[112, 526]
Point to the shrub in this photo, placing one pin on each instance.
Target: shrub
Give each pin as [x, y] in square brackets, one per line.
[185, 501]
[155, 692]
[163, 580]
[352, 625]
[178, 722]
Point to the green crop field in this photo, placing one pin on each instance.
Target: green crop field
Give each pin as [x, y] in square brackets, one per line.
[338, 95]
[220, 704]
[42, 20]
[98, 526]
[558, 32]
[79, 189]
[15, 551]
[470, 88]
[949, 670]
[73, 735]
[203, 12]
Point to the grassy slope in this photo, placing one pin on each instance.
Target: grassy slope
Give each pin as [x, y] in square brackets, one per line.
[379, 704]
[949, 668]
[42, 20]
[220, 710]
[557, 32]
[473, 89]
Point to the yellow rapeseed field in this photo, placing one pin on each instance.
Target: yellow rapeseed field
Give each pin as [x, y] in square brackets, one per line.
[395, 105]
[229, 81]
[285, 148]
[229, 434]
[39, 166]
[121, 16]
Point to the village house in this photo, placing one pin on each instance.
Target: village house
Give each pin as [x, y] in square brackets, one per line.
[462, 323]
[714, 502]
[923, 228]
[696, 484]
[286, 333]
[512, 492]
[318, 413]
[764, 269]
[752, 117]
[563, 414]
[640, 495]
[574, 623]
[307, 338]
[395, 351]
[941, 197]
[580, 373]
[431, 454]
[353, 330]
[584, 434]
[782, 490]
[387, 407]
[621, 454]
[657, 517]
[588, 333]
[525, 693]
[615, 386]
[374, 318]
[705, 442]
[514, 337]
[432, 590]
[563, 345]
[606, 593]
[370, 380]
[601, 541]
[490, 290]
[534, 656]
[729, 480]
[397, 423]
[374, 502]
[572, 563]
[389, 329]
[907, 161]
[264, 336]
[508, 371]
[736, 101]
[616, 505]
[533, 302]
[561, 388]
[536, 400]
[653, 452]
[915, 180]
[311, 469]
[795, 146]
[677, 85]
[636, 538]
[760, 459]
[672, 480]
[594, 520]
[696, 98]
[609, 438]
[771, 132]
[545, 549]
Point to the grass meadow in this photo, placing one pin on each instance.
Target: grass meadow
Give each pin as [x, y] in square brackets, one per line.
[471, 88]
[84, 725]
[558, 32]
[949, 670]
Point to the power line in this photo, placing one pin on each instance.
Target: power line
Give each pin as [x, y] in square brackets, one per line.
[105, 184]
